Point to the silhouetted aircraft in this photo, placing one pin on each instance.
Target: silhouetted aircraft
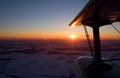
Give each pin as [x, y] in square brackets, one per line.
[95, 14]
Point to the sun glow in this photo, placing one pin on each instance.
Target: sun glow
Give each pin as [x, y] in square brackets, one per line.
[73, 36]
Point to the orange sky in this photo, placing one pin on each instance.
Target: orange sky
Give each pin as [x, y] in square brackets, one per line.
[78, 31]
[45, 19]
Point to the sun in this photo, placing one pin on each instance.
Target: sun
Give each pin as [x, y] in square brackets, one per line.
[73, 36]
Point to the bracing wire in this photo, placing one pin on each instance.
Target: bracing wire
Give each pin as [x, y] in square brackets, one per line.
[115, 28]
[115, 55]
[118, 52]
[89, 43]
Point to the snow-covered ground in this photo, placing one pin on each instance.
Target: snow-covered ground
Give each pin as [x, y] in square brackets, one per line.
[44, 59]
[38, 66]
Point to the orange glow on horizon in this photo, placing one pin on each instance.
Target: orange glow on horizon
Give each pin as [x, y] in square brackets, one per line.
[67, 36]
[33, 36]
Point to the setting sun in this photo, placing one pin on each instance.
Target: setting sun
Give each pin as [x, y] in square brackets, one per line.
[73, 36]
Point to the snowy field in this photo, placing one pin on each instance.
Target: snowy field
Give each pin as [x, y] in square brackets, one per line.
[47, 58]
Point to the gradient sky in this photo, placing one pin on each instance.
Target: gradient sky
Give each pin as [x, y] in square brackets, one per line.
[44, 19]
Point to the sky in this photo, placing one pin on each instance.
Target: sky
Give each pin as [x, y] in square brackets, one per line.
[44, 19]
